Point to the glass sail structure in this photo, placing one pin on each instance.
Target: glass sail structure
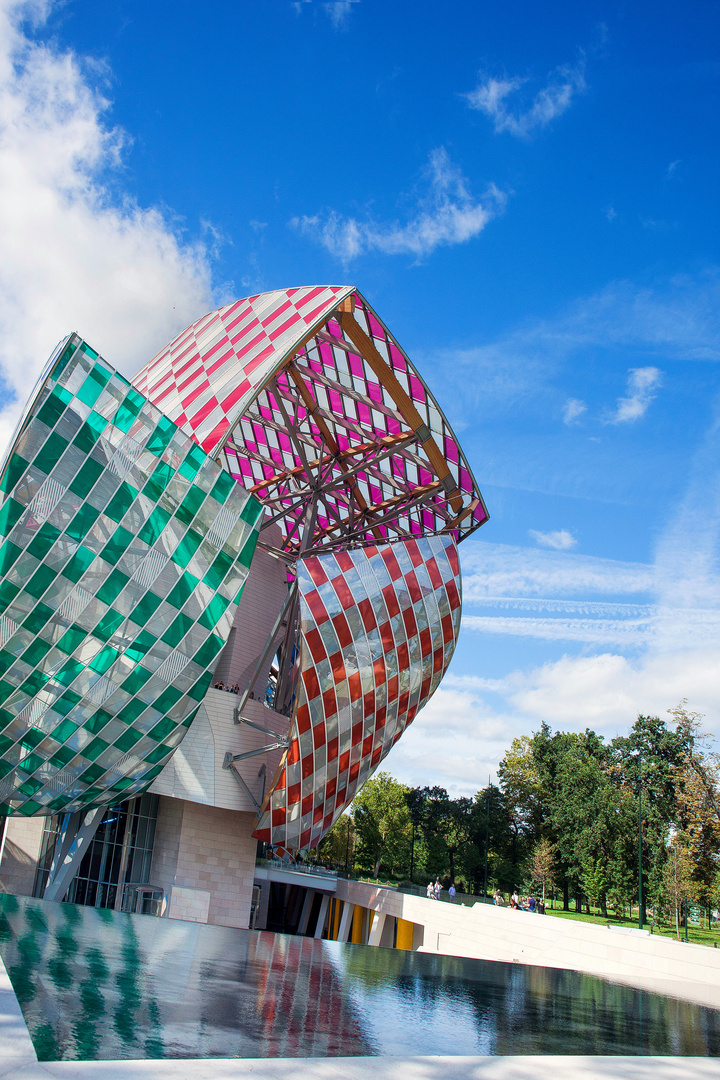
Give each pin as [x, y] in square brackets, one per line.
[292, 420]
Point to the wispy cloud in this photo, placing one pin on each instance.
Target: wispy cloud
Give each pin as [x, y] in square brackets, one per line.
[574, 408]
[447, 214]
[493, 97]
[73, 255]
[627, 632]
[338, 11]
[642, 387]
[560, 540]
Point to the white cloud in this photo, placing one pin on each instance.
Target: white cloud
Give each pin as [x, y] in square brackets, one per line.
[574, 408]
[72, 255]
[629, 632]
[339, 12]
[506, 570]
[491, 97]
[447, 215]
[641, 390]
[560, 540]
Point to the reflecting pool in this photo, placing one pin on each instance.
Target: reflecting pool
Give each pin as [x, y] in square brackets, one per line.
[94, 983]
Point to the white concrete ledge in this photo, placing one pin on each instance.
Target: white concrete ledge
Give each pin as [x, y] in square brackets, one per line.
[381, 1068]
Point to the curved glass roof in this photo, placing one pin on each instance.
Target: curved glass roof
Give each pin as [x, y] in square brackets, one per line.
[313, 406]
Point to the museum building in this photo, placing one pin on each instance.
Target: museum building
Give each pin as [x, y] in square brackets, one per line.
[226, 588]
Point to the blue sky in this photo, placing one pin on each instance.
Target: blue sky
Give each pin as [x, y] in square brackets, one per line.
[527, 195]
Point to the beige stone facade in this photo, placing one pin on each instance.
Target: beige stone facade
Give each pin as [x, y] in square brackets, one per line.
[21, 854]
[204, 858]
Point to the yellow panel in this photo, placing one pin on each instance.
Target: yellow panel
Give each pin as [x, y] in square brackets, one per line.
[357, 925]
[405, 934]
[336, 918]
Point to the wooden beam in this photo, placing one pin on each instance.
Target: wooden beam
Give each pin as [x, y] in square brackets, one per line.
[402, 399]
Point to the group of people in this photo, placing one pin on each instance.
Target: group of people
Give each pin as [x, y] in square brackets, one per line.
[434, 890]
[520, 903]
[229, 689]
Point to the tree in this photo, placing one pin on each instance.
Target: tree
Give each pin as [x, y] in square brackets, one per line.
[679, 888]
[338, 844]
[382, 823]
[593, 880]
[542, 864]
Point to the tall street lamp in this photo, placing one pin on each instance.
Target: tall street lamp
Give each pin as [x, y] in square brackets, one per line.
[640, 894]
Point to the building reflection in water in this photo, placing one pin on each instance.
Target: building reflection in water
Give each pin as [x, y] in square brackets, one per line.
[95, 983]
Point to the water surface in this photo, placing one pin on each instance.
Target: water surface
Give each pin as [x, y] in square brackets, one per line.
[96, 984]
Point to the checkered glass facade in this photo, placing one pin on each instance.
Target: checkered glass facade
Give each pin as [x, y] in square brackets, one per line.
[379, 627]
[124, 550]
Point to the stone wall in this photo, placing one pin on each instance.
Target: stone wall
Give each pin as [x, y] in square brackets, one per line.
[21, 854]
[204, 858]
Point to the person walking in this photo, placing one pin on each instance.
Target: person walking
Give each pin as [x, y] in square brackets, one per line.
[438, 888]
[451, 891]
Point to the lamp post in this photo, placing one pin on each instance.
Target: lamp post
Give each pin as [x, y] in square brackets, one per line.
[640, 894]
[487, 838]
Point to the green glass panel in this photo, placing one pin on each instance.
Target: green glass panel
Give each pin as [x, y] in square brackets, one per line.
[168, 698]
[30, 763]
[199, 689]
[91, 389]
[7, 659]
[190, 505]
[131, 711]
[76, 566]
[31, 738]
[251, 511]
[54, 406]
[194, 460]
[154, 525]
[246, 553]
[65, 676]
[128, 739]
[161, 477]
[162, 730]
[115, 583]
[44, 539]
[214, 576]
[161, 436]
[97, 722]
[30, 808]
[30, 787]
[124, 784]
[177, 630]
[90, 776]
[9, 552]
[117, 545]
[187, 547]
[63, 731]
[208, 650]
[214, 610]
[63, 358]
[94, 749]
[142, 644]
[6, 689]
[124, 418]
[37, 618]
[35, 652]
[10, 514]
[146, 608]
[108, 625]
[88, 351]
[5, 743]
[136, 679]
[182, 590]
[104, 659]
[121, 502]
[86, 478]
[13, 471]
[68, 700]
[8, 592]
[90, 432]
[224, 486]
[50, 452]
[83, 522]
[156, 755]
[70, 640]
[40, 580]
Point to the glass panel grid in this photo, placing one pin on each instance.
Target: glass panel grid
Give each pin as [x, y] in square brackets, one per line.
[74, 565]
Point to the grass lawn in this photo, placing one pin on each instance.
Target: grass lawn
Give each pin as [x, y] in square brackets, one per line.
[695, 934]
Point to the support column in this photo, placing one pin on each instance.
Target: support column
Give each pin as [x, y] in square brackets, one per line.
[378, 925]
[306, 909]
[74, 846]
[322, 916]
[357, 925]
[346, 921]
